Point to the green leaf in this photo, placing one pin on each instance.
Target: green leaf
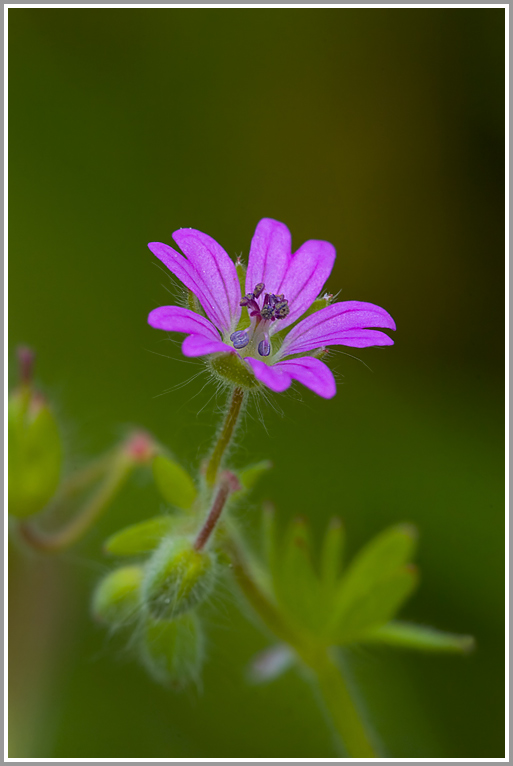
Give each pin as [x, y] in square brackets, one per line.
[296, 584]
[250, 475]
[331, 554]
[405, 635]
[142, 537]
[380, 557]
[174, 482]
[381, 602]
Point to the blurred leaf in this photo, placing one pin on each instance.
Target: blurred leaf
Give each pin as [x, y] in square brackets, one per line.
[331, 554]
[249, 476]
[116, 598]
[172, 650]
[296, 584]
[270, 664]
[174, 482]
[380, 557]
[381, 602]
[142, 537]
[269, 534]
[408, 636]
[35, 455]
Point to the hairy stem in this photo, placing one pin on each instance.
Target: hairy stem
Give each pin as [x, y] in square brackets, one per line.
[51, 542]
[225, 436]
[327, 673]
[228, 484]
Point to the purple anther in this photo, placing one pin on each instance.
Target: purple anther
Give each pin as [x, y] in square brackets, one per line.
[264, 347]
[239, 339]
[258, 290]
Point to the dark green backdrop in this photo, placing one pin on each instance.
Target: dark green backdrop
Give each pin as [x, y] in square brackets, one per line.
[380, 130]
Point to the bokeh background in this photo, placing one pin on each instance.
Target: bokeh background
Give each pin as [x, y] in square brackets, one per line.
[380, 130]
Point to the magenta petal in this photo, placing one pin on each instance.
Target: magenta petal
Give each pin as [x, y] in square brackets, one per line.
[178, 319]
[312, 373]
[199, 345]
[272, 377]
[308, 270]
[269, 255]
[186, 273]
[217, 271]
[340, 324]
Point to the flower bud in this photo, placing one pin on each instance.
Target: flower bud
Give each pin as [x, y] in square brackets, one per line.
[35, 452]
[116, 599]
[177, 578]
[173, 650]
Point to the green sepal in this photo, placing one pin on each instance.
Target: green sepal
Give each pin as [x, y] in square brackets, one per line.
[295, 582]
[116, 598]
[244, 320]
[35, 454]
[173, 650]
[193, 304]
[174, 483]
[250, 475]
[177, 578]
[405, 635]
[377, 606]
[230, 369]
[145, 536]
[241, 270]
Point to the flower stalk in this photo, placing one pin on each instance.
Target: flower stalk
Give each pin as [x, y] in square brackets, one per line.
[116, 467]
[327, 674]
[228, 484]
[225, 436]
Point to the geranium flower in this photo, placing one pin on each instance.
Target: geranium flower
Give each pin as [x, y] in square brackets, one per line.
[280, 287]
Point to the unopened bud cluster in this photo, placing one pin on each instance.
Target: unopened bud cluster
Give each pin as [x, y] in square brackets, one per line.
[159, 600]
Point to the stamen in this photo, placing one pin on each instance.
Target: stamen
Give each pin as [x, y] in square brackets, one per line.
[239, 339]
[258, 290]
[264, 347]
[281, 309]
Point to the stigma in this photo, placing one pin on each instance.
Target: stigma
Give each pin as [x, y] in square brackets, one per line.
[263, 314]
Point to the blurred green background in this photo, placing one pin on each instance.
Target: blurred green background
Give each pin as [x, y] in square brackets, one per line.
[380, 130]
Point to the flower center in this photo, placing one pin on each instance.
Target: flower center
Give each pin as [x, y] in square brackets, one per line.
[257, 335]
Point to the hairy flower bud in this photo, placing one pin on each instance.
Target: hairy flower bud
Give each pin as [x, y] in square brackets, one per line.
[116, 599]
[172, 650]
[35, 452]
[177, 578]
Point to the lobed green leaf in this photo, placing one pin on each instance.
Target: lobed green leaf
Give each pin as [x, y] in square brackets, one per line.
[355, 617]
[331, 554]
[296, 584]
[406, 635]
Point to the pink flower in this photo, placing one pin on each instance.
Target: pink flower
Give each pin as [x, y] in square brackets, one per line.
[280, 288]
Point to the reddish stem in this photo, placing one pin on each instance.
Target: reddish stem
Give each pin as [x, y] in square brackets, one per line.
[229, 483]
